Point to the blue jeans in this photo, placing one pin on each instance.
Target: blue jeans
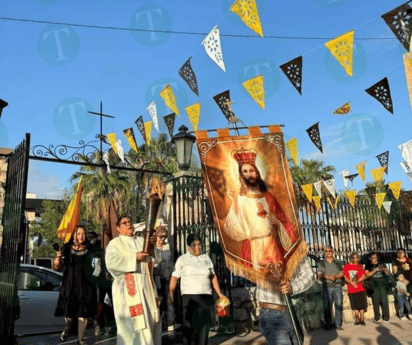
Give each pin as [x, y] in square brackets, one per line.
[333, 294]
[277, 327]
[403, 302]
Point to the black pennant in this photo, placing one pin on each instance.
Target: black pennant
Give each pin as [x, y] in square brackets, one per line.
[3, 104]
[188, 75]
[140, 126]
[170, 123]
[383, 159]
[314, 135]
[223, 101]
[399, 21]
[129, 131]
[382, 93]
[293, 70]
[351, 177]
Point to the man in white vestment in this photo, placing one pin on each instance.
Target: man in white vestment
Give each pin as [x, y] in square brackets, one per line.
[134, 293]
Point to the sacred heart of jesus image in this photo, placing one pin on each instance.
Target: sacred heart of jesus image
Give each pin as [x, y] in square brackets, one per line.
[251, 195]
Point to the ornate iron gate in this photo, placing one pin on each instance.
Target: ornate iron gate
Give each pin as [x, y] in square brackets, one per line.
[13, 238]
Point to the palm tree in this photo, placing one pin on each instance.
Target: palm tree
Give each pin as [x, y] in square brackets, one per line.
[310, 171]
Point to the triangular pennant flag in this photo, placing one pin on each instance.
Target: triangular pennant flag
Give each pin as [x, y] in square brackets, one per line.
[140, 126]
[316, 200]
[399, 21]
[333, 202]
[119, 148]
[129, 134]
[407, 199]
[249, 14]
[224, 103]
[342, 50]
[379, 198]
[377, 174]
[383, 159]
[395, 187]
[360, 168]
[193, 112]
[351, 195]
[213, 47]
[188, 75]
[371, 193]
[408, 170]
[107, 161]
[343, 110]
[307, 189]
[351, 177]
[256, 90]
[293, 70]
[406, 151]
[152, 110]
[387, 206]
[314, 135]
[169, 98]
[148, 131]
[330, 185]
[382, 93]
[112, 140]
[170, 123]
[292, 146]
[318, 187]
[407, 63]
[344, 173]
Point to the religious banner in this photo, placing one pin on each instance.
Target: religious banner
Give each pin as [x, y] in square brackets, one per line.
[407, 199]
[351, 195]
[387, 206]
[351, 177]
[213, 47]
[344, 173]
[383, 159]
[189, 76]
[316, 200]
[399, 21]
[169, 98]
[330, 185]
[371, 193]
[293, 71]
[342, 50]
[129, 134]
[224, 103]
[377, 174]
[148, 131]
[343, 110]
[170, 123]
[292, 146]
[333, 202]
[140, 126]
[379, 198]
[382, 93]
[256, 90]
[314, 135]
[251, 195]
[152, 110]
[193, 113]
[307, 189]
[407, 63]
[318, 187]
[360, 168]
[406, 151]
[111, 137]
[248, 12]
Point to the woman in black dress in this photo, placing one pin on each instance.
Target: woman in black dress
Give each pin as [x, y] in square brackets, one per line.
[78, 298]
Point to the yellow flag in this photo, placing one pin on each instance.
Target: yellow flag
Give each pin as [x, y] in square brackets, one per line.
[193, 112]
[130, 138]
[248, 12]
[395, 187]
[316, 199]
[379, 198]
[360, 168]
[377, 174]
[256, 89]
[333, 205]
[407, 62]
[307, 189]
[351, 194]
[343, 110]
[169, 98]
[148, 131]
[292, 146]
[112, 140]
[342, 49]
[71, 217]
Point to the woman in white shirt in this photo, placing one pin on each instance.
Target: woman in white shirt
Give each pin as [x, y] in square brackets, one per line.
[197, 279]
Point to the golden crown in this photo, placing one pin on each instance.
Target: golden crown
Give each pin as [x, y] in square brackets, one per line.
[245, 157]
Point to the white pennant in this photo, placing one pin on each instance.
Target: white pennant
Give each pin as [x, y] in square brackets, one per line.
[119, 148]
[214, 48]
[387, 206]
[407, 169]
[106, 160]
[344, 173]
[153, 114]
[318, 187]
[330, 185]
[406, 150]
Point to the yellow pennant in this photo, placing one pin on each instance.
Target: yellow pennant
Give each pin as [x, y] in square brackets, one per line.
[342, 49]
[343, 110]
[333, 205]
[112, 140]
[379, 198]
[316, 199]
[395, 187]
[248, 12]
[292, 146]
[193, 113]
[407, 62]
[307, 189]
[360, 168]
[351, 194]
[148, 131]
[169, 98]
[256, 89]
[128, 133]
[377, 174]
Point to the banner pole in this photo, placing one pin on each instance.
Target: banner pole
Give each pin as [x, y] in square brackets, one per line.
[295, 322]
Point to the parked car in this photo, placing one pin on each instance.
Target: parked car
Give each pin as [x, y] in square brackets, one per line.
[38, 291]
[43, 262]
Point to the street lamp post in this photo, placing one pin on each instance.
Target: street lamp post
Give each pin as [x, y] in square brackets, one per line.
[184, 144]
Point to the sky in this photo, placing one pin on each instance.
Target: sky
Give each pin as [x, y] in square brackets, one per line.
[52, 74]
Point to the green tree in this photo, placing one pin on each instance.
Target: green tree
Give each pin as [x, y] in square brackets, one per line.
[310, 171]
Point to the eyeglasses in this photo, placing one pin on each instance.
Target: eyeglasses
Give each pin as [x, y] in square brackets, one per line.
[195, 245]
[126, 223]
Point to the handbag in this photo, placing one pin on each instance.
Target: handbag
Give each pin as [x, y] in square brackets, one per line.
[368, 284]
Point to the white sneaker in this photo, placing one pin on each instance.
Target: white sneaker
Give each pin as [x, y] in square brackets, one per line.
[403, 318]
[386, 321]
